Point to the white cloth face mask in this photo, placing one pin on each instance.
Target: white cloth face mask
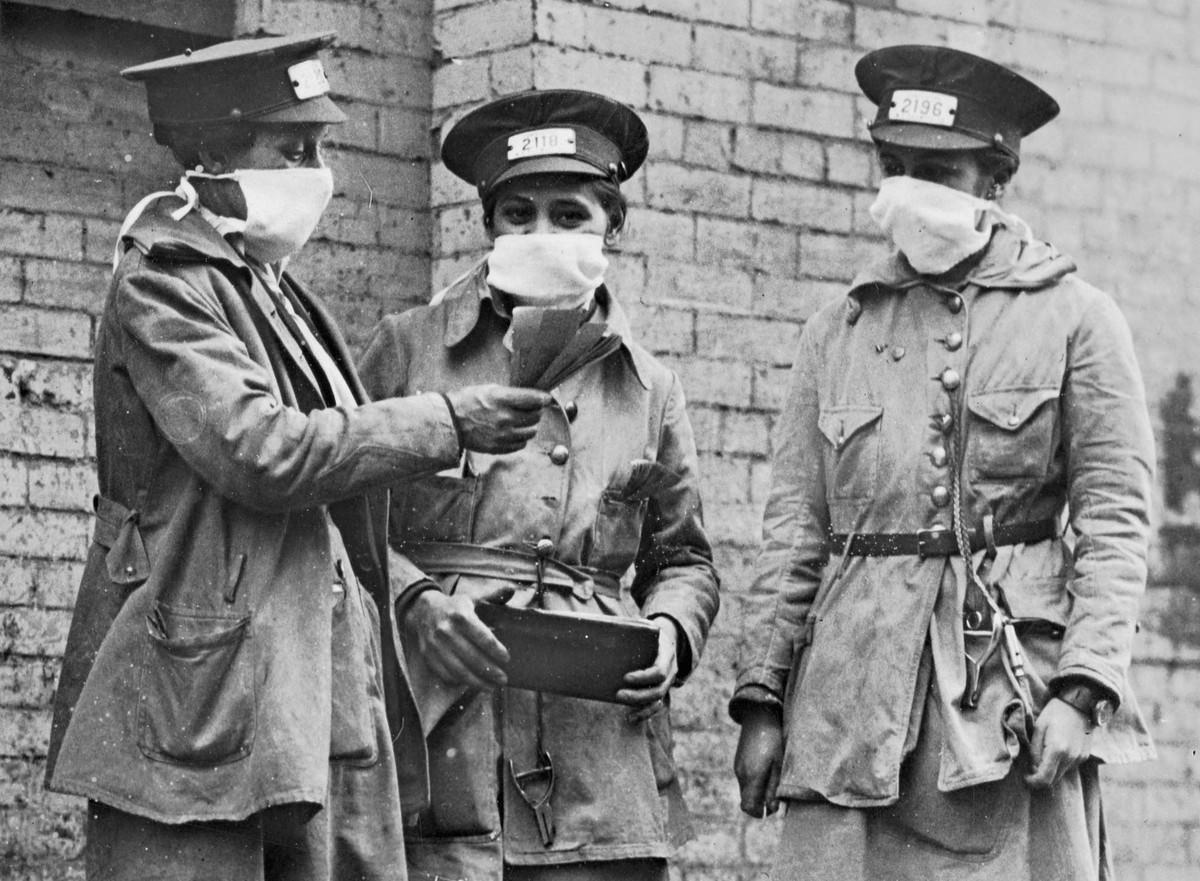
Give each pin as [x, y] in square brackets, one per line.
[283, 207]
[551, 270]
[935, 227]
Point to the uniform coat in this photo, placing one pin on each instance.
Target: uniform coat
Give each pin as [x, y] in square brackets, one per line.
[212, 667]
[613, 778]
[1048, 405]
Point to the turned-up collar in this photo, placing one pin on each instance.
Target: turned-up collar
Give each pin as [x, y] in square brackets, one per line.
[1009, 262]
[191, 238]
[467, 297]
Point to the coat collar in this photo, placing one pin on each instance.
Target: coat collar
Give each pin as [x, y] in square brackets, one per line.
[192, 239]
[466, 298]
[1009, 262]
[157, 234]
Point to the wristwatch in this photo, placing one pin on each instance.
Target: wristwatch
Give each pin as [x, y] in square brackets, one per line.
[1090, 700]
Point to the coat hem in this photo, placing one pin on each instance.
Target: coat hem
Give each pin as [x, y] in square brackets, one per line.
[124, 802]
[589, 854]
[804, 793]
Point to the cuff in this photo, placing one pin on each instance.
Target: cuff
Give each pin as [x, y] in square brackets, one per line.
[406, 597]
[1101, 690]
[458, 434]
[683, 650]
[407, 582]
[750, 696]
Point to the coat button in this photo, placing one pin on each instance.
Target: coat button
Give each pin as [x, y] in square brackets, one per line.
[897, 353]
[954, 341]
[939, 457]
[572, 410]
[943, 422]
[950, 379]
[940, 496]
[128, 570]
[1014, 420]
[560, 454]
[954, 304]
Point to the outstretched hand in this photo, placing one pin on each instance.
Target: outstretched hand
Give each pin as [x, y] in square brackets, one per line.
[497, 418]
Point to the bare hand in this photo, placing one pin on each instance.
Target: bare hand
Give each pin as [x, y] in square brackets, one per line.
[497, 418]
[1061, 741]
[458, 647]
[758, 760]
[645, 689]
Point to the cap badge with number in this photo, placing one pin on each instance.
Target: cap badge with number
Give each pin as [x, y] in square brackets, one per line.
[269, 80]
[938, 98]
[555, 131]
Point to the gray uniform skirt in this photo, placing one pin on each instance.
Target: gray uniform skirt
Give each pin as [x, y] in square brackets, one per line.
[1002, 830]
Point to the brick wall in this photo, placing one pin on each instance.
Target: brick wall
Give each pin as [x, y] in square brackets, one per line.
[749, 214]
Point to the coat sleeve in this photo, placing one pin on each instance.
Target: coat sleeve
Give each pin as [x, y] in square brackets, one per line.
[788, 570]
[221, 410]
[383, 370]
[674, 569]
[1110, 469]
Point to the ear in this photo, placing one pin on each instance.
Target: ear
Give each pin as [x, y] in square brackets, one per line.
[214, 163]
[612, 238]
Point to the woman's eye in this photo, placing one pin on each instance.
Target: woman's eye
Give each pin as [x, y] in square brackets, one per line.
[516, 214]
[571, 218]
[892, 169]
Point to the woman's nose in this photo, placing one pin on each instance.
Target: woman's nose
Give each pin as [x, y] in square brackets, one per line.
[541, 224]
[314, 158]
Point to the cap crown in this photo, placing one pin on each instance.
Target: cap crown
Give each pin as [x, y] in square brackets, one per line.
[272, 79]
[564, 131]
[941, 98]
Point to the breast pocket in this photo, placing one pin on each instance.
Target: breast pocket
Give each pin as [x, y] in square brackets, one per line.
[616, 533]
[1012, 433]
[437, 508]
[853, 460]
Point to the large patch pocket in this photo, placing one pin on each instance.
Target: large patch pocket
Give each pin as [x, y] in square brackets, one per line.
[196, 703]
[853, 433]
[1012, 434]
[437, 508]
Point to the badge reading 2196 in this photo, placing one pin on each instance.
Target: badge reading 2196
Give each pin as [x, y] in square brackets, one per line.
[931, 108]
[542, 142]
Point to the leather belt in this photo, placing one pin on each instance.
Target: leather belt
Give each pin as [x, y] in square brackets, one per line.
[447, 558]
[938, 542]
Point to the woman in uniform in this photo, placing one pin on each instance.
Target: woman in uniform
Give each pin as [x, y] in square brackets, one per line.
[602, 509]
[956, 535]
[221, 701]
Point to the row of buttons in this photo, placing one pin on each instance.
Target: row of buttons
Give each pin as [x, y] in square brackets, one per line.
[560, 454]
[950, 379]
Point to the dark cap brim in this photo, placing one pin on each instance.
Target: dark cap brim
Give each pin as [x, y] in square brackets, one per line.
[547, 165]
[926, 137]
[318, 109]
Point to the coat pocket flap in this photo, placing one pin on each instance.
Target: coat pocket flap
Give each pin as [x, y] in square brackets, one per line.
[1009, 409]
[839, 424]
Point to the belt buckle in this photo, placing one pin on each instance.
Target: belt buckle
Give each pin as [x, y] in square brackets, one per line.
[925, 537]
